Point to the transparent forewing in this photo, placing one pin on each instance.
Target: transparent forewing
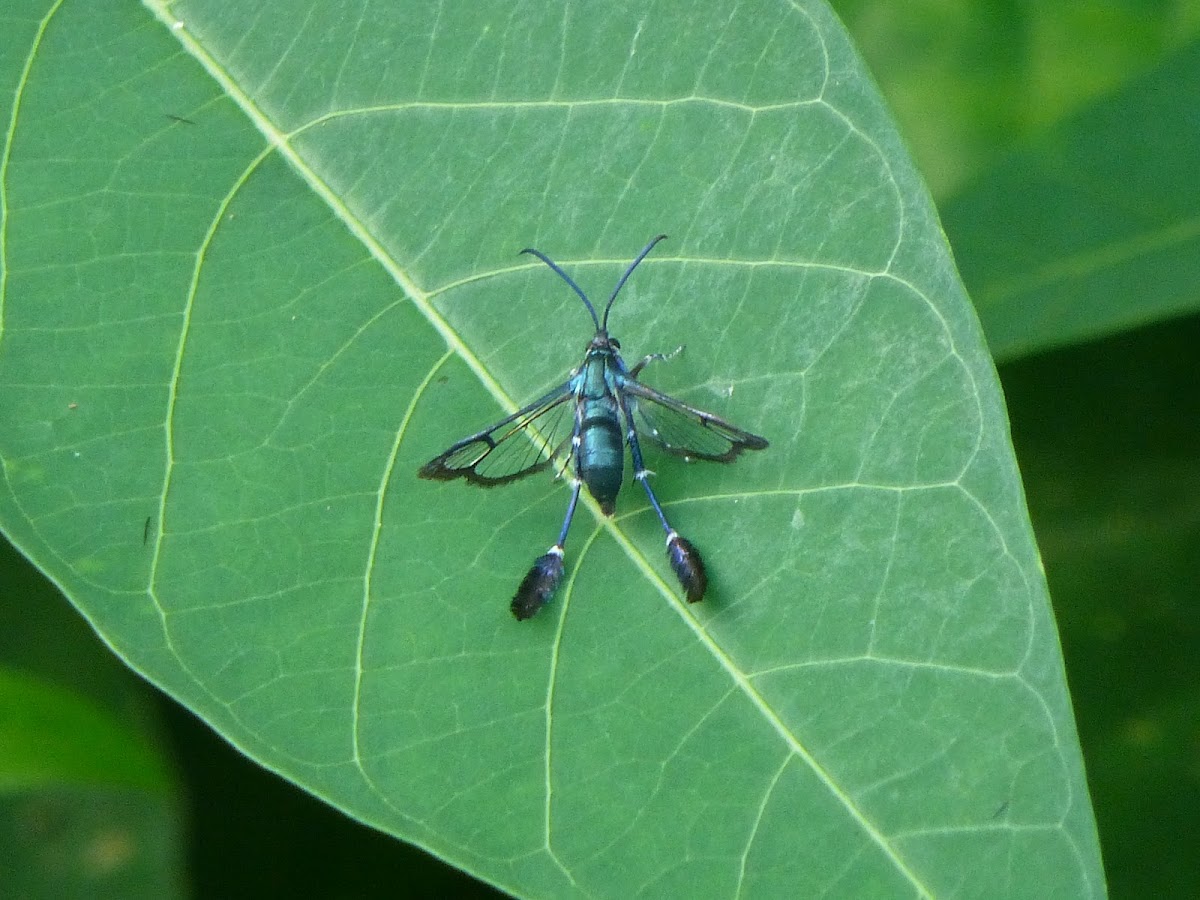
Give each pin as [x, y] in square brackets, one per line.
[685, 431]
[524, 443]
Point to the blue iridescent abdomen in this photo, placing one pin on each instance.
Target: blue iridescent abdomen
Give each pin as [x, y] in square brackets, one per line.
[601, 443]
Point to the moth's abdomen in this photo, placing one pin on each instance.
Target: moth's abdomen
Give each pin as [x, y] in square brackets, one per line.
[602, 452]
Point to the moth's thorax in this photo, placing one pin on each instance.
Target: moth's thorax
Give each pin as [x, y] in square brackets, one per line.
[603, 354]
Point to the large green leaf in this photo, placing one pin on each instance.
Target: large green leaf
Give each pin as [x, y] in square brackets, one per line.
[259, 265]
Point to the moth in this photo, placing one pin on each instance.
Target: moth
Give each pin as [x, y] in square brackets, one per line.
[584, 424]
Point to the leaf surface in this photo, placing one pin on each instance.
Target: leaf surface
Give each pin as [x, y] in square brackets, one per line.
[260, 265]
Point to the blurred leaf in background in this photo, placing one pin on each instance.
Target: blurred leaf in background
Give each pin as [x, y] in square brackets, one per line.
[89, 803]
[969, 79]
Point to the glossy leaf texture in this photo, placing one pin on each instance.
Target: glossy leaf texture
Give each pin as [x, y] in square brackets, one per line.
[260, 264]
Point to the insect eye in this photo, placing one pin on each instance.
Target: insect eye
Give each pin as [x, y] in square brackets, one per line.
[615, 343]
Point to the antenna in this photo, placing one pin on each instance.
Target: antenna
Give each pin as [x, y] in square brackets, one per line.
[625, 277]
[567, 278]
[600, 325]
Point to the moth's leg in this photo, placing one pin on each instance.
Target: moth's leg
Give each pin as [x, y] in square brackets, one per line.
[684, 557]
[654, 357]
[542, 580]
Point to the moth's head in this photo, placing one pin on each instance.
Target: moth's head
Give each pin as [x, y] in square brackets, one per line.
[601, 341]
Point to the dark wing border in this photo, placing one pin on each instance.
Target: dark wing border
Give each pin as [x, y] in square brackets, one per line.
[462, 459]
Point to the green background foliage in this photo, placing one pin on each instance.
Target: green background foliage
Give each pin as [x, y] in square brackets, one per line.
[259, 267]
